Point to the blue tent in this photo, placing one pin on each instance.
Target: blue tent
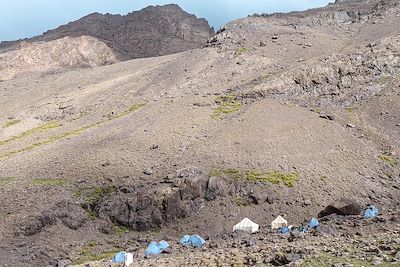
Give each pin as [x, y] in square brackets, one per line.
[193, 240]
[197, 241]
[371, 212]
[313, 223]
[119, 257]
[185, 240]
[155, 248]
[284, 230]
[163, 245]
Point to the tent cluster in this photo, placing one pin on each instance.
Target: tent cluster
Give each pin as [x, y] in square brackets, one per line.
[156, 248]
[245, 225]
[312, 224]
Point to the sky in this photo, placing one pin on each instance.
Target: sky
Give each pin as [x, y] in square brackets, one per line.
[27, 18]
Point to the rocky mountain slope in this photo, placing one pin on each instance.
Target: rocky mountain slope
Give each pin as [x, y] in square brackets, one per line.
[285, 114]
[152, 31]
[67, 52]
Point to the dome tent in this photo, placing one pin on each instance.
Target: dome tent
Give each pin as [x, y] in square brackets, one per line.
[279, 222]
[246, 225]
[155, 248]
[193, 240]
[119, 257]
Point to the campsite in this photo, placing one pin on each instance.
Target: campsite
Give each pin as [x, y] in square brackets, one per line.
[199, 133]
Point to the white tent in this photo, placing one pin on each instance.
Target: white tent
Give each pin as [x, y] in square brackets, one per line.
[246, 225]
[278, 222]
[128, 260]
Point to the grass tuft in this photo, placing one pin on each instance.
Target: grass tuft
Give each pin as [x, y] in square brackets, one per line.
[121, 230]
[273, 177]
[242, 201]
[11, 123]
[240, 51]
[226, 104]
[389, 160]
[89, 253]
[384, 79]
[91, 195]
[5, 181]
[131, 109]
[2, 216]
[350, 109]
[41, 128]
[92, 215]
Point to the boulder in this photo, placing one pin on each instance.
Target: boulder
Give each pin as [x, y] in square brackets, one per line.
[280, 260]
[342, 207]
[189, 172]
[216, 187]
[257, 196]
[271, 197]
[70, 215]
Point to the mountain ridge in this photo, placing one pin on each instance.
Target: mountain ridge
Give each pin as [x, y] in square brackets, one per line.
[137, 34]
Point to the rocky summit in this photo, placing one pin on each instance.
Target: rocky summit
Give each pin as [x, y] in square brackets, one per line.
[152, 31]
[294, 114]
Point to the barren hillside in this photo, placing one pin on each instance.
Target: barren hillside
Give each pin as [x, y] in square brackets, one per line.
[281, 114]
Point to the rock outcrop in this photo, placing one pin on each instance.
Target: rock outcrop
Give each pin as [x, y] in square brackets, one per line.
[336, 80]
[152, 207]
[67, 52]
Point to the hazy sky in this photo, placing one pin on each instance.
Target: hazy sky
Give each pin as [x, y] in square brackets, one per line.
[27, 18]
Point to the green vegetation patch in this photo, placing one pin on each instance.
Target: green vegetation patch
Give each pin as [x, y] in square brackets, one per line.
[317, 110]
[273, 177]
[71, 133]
[131, 109]
[49, 182]
[240, 51]
[5, 181]
[11, 123]
[384, 79]
[2, 216]
[120, 230]
[242, 201]
[91, 195]
[329, 259]
[39, 129]
[389, 160]
[92, 215]
[90, 253]
[226, 104]
[350, 109]
[81, 115]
